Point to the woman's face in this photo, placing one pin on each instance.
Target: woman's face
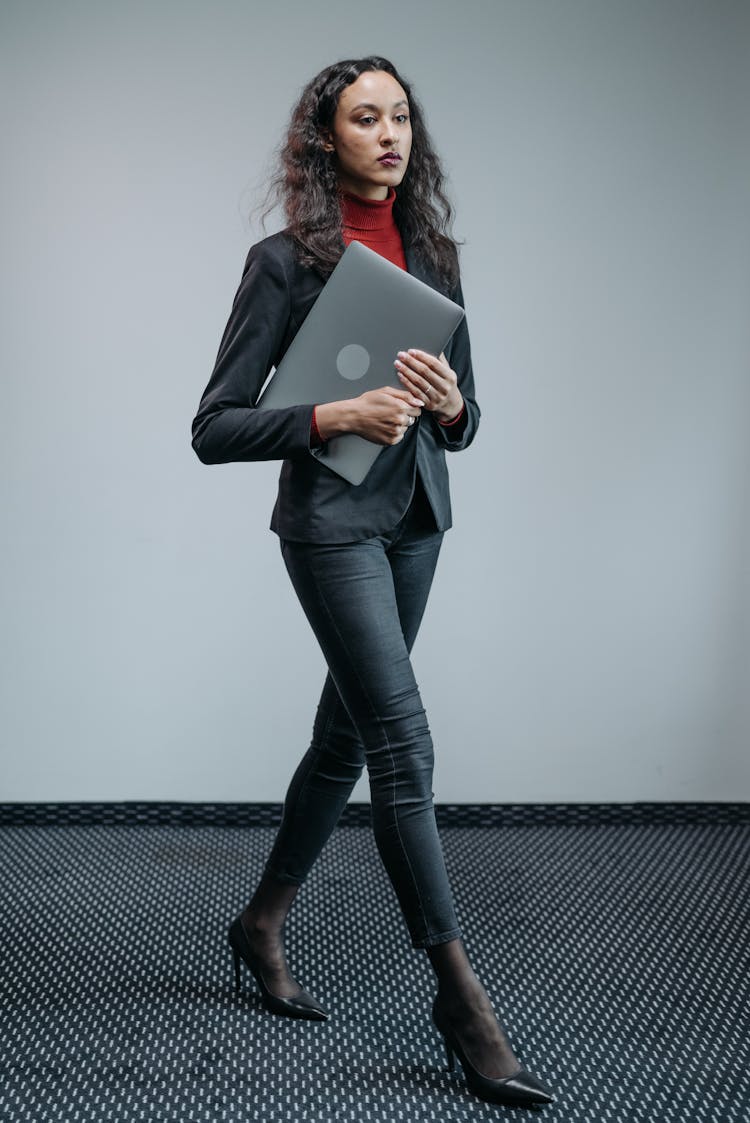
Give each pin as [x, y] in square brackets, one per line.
[371, 135]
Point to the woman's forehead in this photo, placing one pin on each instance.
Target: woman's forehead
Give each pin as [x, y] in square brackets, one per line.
[374, 87]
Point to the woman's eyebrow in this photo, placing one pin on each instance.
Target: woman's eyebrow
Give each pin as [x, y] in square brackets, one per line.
[376, 108]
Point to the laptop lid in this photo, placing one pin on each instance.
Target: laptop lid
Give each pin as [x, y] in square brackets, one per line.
[368, 310]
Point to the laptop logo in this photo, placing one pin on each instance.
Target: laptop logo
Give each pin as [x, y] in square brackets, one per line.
[353, 362]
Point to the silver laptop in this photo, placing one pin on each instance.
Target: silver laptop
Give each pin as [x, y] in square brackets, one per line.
[368, 310]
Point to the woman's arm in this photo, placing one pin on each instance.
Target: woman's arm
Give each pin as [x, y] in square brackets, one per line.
[381, 416]
[227, 426]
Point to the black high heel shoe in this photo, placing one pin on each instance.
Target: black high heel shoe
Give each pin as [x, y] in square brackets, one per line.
[520, 1090]
[302, 1006]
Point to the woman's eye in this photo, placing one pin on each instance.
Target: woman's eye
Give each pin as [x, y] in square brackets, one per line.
[402, 118]
[366, 120]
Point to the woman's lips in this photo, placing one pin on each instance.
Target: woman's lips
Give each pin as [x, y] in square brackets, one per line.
[391, 158]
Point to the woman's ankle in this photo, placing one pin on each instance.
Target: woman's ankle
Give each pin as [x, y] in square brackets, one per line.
[467, 1002]
[455, 974]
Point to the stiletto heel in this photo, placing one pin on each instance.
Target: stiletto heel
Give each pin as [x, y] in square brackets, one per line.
[521, 1089]
[302, 1006]
[449, 1055]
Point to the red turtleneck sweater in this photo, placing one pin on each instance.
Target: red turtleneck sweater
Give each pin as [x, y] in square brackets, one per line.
[371, 222]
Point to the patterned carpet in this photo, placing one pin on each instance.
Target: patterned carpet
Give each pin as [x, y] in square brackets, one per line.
[616, 952]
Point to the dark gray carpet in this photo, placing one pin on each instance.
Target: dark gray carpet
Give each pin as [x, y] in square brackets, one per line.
[617, 955]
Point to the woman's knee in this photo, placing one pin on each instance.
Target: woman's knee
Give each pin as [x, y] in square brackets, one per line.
[340, 758]
[334, 737]
[404, 767]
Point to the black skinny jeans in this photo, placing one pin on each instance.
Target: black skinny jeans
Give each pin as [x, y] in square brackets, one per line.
[365, 601]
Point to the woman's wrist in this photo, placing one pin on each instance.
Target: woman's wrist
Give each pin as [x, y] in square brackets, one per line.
[332, 419]
[451, 413]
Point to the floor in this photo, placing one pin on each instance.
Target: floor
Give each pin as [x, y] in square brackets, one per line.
[617, 954]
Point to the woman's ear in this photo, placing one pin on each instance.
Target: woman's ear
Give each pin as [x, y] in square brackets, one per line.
[326, 142]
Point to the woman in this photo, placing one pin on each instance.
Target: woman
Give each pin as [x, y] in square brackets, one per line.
[358, 163]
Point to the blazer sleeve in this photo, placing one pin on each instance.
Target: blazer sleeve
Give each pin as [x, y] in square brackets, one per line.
[227, 426]
[458, 353]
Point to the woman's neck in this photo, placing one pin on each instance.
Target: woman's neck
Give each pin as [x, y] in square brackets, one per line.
[367, 214]
[371, 222]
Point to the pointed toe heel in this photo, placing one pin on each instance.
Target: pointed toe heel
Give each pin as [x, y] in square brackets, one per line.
[522, 1089]
[302, 1005]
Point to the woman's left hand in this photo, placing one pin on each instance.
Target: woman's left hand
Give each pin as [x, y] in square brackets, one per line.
[430, 379]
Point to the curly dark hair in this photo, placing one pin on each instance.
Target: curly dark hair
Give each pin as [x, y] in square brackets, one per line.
[306, 185]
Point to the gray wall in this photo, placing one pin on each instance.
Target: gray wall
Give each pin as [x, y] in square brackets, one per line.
[589, 633]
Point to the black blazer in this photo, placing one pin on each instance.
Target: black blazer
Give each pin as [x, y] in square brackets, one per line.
[314, 504]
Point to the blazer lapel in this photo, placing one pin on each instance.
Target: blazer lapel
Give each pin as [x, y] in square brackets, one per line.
[414, 265]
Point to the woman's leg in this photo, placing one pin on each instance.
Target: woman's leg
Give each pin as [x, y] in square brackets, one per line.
[348, 592]
[349, 595]
[326, 775]
[317, 794]
[318, 791]
[334, 762]
[469, 1011]
[323, 781]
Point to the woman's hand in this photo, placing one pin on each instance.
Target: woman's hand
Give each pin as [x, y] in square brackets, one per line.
[432, 381]
[381, 416]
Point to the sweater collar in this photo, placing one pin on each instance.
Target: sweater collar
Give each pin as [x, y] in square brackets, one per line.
[367, 214]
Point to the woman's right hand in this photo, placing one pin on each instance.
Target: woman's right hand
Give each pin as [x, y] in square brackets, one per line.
[381, 416]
